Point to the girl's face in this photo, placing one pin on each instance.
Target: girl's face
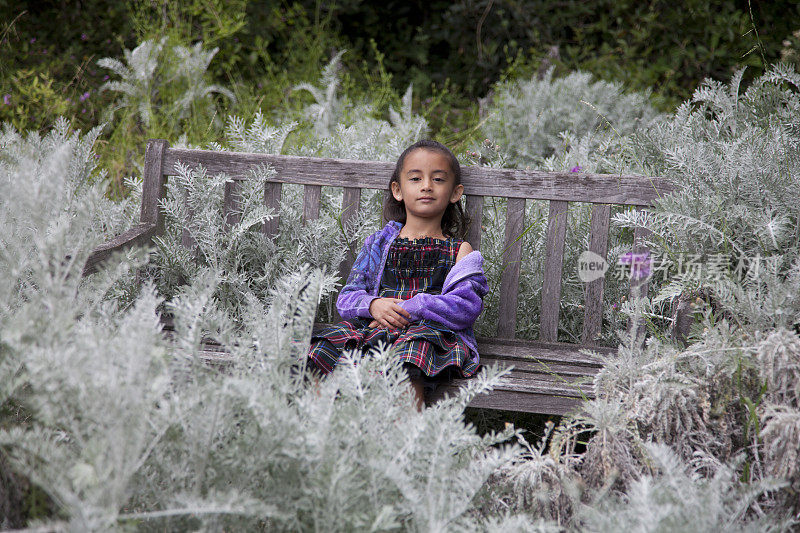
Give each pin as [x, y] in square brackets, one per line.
[427, 184]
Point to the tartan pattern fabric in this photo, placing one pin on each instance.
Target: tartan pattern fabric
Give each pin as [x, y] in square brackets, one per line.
[426, 344]
[417, 265]
[412, 266]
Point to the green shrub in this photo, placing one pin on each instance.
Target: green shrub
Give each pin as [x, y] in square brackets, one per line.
[30, 101]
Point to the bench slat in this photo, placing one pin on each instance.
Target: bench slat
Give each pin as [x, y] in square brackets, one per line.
[231, 209]
[638, 287]
[553, 266]
[272, 199]
[154, 184]
[311, 197]
[537, 366]
[139, 235]
[474, 211]
[187, 241]
[351, 200]
[593, 305]
[544, 383]
[528, 401]
[509, 279]
[480, 181]
[556, 352]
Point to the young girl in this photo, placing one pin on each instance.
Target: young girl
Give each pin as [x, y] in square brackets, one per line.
[415, 285]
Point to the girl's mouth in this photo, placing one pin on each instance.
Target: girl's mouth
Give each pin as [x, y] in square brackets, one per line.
[425, 199]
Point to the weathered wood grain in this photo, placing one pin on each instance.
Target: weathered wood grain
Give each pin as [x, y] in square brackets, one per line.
[550, 352]
[231, 204]
[311, 198]
[351, 199]
[480, 181]
[187, 241]
[547, 384]
[474, 210]
[139, 235]
[639, 285]
[510, 400]
[593, 303]
[568, 371]
[509, 279]
[272, 199]
[553, 267]
[154, 184]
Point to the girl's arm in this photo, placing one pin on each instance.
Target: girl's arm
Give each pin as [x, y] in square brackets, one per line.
[458, 308]
[463, 251]
[355, 297]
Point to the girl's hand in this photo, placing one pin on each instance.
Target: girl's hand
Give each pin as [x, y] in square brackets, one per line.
[388, 313]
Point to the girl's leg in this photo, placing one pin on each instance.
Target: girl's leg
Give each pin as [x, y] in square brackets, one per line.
[416, 385]
[322, 357]
[418, 391]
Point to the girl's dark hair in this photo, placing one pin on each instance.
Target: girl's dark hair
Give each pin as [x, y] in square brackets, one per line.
[455, 221]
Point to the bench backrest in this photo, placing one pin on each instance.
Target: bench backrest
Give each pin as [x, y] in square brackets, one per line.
[559, 188]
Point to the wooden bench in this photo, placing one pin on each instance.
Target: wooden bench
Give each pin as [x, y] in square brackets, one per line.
[545, 371]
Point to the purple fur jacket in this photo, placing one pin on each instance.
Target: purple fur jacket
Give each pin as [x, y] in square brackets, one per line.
[457, 307]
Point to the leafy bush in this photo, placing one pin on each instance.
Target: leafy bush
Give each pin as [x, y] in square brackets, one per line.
[726, 404]
[558, 124]
[529, 118]
[124, 428]
[173, 84]
[31, 100]
[733, 158]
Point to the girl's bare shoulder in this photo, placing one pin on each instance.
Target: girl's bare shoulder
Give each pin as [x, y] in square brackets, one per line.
[463, 251]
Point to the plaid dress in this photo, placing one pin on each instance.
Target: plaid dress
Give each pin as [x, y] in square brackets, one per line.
[427, 348]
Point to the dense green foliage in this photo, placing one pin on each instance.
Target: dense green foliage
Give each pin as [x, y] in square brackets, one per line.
[452, 52]
[107, 425]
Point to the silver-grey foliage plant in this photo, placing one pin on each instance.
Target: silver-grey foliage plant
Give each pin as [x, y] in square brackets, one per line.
[124, 428]
[726, 404]
[151, 78]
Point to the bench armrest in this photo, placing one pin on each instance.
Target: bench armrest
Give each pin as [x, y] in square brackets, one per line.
[138, 235]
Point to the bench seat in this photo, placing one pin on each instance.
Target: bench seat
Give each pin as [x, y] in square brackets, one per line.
[547, 377]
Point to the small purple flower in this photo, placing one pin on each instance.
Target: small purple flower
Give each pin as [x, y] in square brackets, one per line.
[577, 168]
[44, 51]
[33, 40]
[84, 37]
[7, 99]
[105, 78]
[640, 263]
[83, 110]
[85, 96]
